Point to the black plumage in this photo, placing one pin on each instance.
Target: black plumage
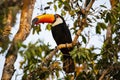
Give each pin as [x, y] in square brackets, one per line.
[61, 35]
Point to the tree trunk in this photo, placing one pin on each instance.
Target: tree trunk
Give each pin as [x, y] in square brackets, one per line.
[108, 42]
[109, 28]
[23, 32]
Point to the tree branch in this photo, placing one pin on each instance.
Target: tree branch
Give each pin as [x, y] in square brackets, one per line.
[108, 70]
[108, 42]
[67, 45]
[89, 5]
[25, 26]
[110, 25]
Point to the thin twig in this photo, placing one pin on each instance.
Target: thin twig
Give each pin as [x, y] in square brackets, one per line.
[81, 24]
[74, 42]
[89, 5]
[109, 69]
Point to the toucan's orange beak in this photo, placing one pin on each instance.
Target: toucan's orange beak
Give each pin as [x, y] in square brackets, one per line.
[45, 18]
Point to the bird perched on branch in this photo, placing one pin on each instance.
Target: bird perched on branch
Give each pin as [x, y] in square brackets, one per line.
[61, 35]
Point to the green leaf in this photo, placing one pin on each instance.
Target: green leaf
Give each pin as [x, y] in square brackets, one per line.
[113, 18]
[60, 4]
[36, 29]
[107, 17]
[103, 26]
[84, 39]
[49, 3]
[33, 52]
[103, 6]
[24, 46]
[115, 59]
[98, 17]
[63, 13]
[67, 7]
[94, 19]
[73, 53]
[71, 12]
[47, 7]
[103, 14]
[48, 27]
[55, 7]
[57, 73]
[98, 28]
[89, 20]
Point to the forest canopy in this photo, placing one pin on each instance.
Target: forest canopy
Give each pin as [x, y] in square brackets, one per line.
[95, 34]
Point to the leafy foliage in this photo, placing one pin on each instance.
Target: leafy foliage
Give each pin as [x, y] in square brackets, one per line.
[6, 22]
[34, 55]
[36, 28]
[99, 27]
[91, 64]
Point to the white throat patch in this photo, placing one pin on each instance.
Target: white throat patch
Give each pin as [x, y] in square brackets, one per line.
[57, 22]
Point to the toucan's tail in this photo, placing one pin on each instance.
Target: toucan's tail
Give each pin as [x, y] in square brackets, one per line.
[68, 63]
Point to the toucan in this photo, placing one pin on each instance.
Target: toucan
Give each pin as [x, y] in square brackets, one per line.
[61, 35]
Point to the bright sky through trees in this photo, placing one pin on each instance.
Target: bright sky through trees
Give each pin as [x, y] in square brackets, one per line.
[46, 35]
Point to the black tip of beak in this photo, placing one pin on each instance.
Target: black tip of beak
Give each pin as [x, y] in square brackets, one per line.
[34, 21]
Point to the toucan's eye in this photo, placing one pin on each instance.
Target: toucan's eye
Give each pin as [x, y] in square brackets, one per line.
[57, 16]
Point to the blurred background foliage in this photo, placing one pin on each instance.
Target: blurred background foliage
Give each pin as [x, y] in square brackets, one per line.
[90, 64]
[9, 10]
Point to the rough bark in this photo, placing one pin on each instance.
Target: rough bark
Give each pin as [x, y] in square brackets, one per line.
[8, 26]
[74, 42]
[23, 32]
[8, 12]
[4, 37]
[109, 28]
[82, 24]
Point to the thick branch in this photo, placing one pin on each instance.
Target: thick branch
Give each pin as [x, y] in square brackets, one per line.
[74, 42]
[109, 34]
[108, 41]
[81, 27]
[21, 35]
